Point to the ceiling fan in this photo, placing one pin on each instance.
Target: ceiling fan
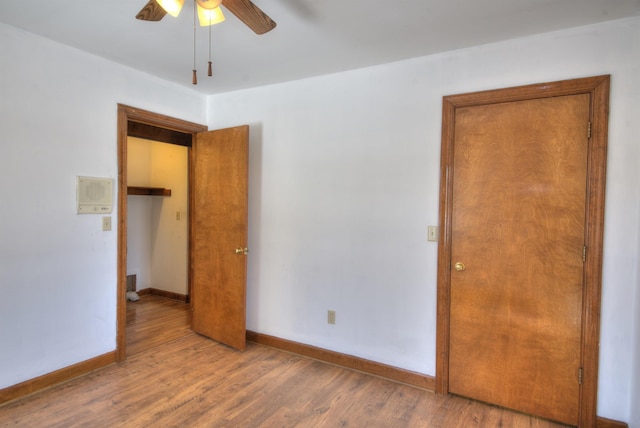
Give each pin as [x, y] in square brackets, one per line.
[209, 13]
[244, 10]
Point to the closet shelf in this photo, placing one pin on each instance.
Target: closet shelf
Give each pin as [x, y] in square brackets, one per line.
[148, 191]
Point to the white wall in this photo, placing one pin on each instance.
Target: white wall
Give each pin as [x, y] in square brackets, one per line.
[634, 420]
[170, 245]
[344, 181]
[58, 116]
[139, 213]
[157, 240]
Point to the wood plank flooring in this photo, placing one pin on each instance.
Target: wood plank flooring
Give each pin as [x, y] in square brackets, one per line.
[154, 320]
[191, 381]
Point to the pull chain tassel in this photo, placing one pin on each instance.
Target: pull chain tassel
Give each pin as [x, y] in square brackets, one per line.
[210, 69]
[194, 78]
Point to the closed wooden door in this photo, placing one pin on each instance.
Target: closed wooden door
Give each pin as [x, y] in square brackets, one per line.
[517, 242]
[219, 235]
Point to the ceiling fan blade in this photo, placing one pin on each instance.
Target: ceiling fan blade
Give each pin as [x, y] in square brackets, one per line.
[151, 11]
[250, 14]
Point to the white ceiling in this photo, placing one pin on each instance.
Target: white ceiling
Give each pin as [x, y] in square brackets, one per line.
[313, 37]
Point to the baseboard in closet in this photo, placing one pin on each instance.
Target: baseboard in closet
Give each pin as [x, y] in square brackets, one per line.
[164, 293]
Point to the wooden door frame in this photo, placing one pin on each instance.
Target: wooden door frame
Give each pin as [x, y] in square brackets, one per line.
[127, 115]
[598, 88]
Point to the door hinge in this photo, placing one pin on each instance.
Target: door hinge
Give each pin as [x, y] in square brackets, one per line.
[580, 376]
[589, 130]
[584, 253]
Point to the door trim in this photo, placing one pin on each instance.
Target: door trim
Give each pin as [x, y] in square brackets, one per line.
[598, 88]
[126, 115]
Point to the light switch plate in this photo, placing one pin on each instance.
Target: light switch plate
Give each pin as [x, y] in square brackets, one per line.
[331, 317]
[106, 223]
[432, 233]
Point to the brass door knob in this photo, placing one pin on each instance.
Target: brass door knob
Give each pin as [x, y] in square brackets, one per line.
[460, 266]
[244, 251]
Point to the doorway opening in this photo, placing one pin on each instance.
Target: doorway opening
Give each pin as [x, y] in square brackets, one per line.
[157, 243]
[143, 124]
[157, 218]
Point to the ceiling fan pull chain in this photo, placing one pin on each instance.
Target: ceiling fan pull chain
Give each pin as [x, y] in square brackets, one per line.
[209, 69]
[194, 77]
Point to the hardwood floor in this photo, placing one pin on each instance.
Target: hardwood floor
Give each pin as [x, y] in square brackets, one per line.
[191, 381]
[154, 320]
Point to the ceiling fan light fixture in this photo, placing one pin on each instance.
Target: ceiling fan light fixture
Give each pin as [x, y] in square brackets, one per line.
[209, 4]
[209, 16]
[173, 7]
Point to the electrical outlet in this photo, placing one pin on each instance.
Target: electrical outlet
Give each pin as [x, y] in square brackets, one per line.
[106, 223]
[331, 317]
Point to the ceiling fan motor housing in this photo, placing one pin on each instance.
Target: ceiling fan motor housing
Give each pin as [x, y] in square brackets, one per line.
[209, 4]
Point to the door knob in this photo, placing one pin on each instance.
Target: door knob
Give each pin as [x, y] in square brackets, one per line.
[460, 266]
[244, 251]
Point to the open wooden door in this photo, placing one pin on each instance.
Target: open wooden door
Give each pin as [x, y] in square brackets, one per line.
[219, 219]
